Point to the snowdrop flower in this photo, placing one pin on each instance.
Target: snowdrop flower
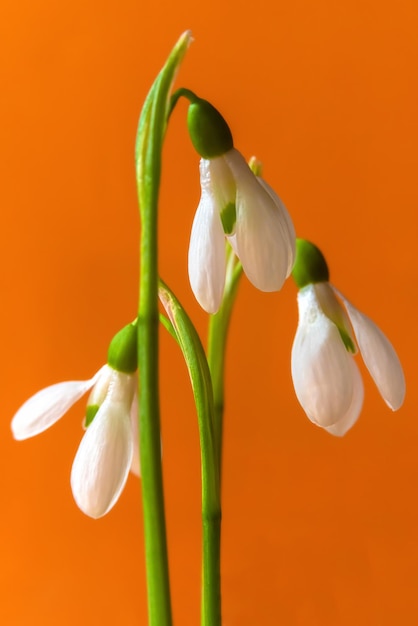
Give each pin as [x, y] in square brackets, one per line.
[326, 378]
[104, 457]
[106, 452]
[237, 205]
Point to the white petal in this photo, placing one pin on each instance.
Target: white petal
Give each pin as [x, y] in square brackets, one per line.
[262, 242]
[101, 465]
[136, 459]
[98, 393]
[335, 311]
[289, 234]
[207, 259]
[350, 418]
[101, 386]
[47, 406]
[321, 368]
[379, 357]
[136, 463]
[216, 176]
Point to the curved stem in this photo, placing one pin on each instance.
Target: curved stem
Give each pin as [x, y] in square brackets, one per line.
[181, 92]
[217, 338]
[197, 365]
[151, 131]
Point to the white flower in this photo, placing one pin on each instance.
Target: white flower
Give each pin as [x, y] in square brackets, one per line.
[241, 206]
[325, 376]
[106, 452]
[101, 465]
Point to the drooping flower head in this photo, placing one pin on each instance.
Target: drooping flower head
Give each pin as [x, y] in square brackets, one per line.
[326, 378]
[237, 205]
[109, 447]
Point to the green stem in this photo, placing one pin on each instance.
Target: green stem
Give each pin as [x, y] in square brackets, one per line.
[211, 588]
[156, 557]
[217, 338]
[197, 365]
[151, 131]
[159, 605]
[179, 93]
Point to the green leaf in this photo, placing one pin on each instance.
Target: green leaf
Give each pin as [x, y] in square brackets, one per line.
[153, 122]
[200, 377]
[197, 365]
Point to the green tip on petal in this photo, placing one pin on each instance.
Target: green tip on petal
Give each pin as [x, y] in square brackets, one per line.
[91, 414]
[122, 355]
[310, 265]
[209, 132]
[228, 218]
[347, 341]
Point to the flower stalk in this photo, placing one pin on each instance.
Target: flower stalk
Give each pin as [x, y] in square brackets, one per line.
[217, 338]
[151, 130]
[195, 358]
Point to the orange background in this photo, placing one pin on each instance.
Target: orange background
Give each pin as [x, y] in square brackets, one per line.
[317, 531]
